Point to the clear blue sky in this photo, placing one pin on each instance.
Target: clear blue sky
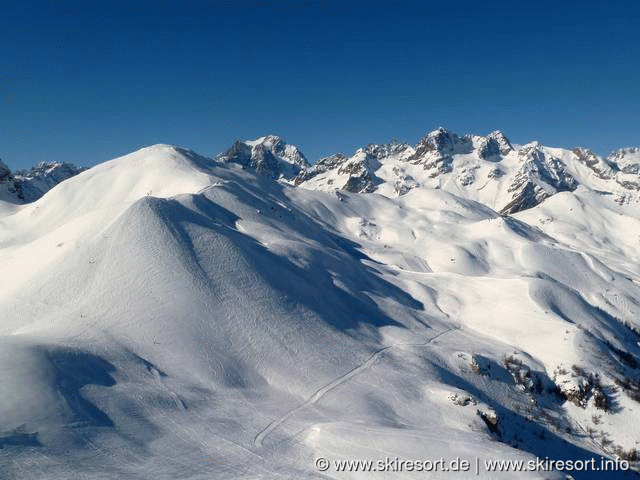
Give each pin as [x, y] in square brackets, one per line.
[88, 81]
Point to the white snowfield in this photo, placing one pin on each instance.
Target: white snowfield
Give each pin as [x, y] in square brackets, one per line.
[168, 316]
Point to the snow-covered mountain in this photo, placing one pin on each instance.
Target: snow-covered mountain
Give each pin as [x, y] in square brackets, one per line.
[487, 169]
[167, 315]
[269, 155]
[25, 186]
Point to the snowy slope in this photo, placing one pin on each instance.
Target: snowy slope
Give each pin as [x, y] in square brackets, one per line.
[165, 315]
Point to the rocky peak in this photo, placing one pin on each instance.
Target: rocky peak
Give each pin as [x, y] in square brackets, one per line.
[321, 166]
[440, 141]
[331, 161]
[269, 155]
[585, 156]
[494, 145]
[382, 151]
[24, 186]
[56, 171]
[540, 175]
[282, 149]
[626, 159]
[33, 183]
[443, 159]
[360, 170]
[239, 153]
[502, 140]
[354, 174]
[435, 151]
[545, 167]
[600, 167]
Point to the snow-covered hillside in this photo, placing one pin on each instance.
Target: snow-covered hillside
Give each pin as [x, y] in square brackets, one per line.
[165, 315]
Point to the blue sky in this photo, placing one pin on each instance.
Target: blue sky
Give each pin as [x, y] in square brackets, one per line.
[87, 81]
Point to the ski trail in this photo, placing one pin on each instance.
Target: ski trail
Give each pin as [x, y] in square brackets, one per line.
[258, 441]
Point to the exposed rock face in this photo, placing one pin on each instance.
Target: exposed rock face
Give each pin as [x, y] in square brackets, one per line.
[494, 145]
[435, 155]
[25, 186]
[488, 169]
[269, 155]
[600, 167]
[239, 153]
[321, 166]
[360, 172]
[539, 177]
[33, 183]
[388, 149]
[442, 142]
[526, 197]
[626, 163]
[353, 174]
[627, 160]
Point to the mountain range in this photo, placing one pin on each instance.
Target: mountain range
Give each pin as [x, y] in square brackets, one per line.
[169, 315]
[25, 186]
[487, 169]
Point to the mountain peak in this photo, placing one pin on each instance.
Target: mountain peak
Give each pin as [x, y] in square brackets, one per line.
[385, 150]
[500, 139]
[626, 159]
[441, 143]
[25, 186]
[30, 185]
[270, 155]
[441, 138]
[267, 140]
[488, 169]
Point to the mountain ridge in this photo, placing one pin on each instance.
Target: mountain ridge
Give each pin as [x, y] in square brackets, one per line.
[460, 164]
[26, 186]
[457, 164]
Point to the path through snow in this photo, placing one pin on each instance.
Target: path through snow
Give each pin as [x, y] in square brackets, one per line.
[322, 391]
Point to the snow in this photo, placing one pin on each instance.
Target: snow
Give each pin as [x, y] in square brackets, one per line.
[167, 315]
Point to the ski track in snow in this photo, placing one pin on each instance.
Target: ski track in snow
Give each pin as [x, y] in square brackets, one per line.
[341, 380]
